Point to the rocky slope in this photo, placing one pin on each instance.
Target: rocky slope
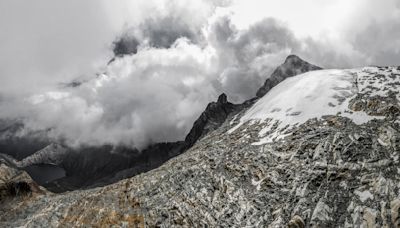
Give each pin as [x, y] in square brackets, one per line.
[17, 185]
[330, 161]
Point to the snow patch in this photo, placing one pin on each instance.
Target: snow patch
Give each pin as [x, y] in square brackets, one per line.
[310, 95]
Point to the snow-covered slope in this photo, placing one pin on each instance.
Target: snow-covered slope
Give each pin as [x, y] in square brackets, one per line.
[52, 154]
[316, 94]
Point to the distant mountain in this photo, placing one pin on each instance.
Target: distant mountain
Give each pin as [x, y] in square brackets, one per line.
[14, 142]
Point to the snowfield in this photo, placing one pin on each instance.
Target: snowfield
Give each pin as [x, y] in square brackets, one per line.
[316, 94]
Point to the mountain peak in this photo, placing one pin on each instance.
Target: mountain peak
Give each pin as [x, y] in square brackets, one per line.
[222, 99]
[293, 58]
[294, 61]
[292, 66]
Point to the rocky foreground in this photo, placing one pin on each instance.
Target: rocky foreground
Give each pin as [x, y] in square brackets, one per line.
[333, 170]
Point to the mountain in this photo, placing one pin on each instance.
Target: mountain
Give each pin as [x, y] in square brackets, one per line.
[89, 166]
[320, 149]
[292, 66]
[92, 166]
[52, 154]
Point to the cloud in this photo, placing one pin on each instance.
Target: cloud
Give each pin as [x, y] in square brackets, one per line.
[43, 42]
[165, 24]
[156, 94]
[174, 58]
[247, 56]
[152, 96]
[46, 42]
[380, 44]
[159, 33]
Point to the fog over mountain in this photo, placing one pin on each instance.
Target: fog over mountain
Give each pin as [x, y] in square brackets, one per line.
[140, 72]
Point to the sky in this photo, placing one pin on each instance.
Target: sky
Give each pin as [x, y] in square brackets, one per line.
[181, 57]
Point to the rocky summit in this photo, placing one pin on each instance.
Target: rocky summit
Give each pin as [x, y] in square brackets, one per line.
[292, 66]
[320, 149]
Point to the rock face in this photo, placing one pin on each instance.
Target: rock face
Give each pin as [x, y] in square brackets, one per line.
[16, 185]
[214, 115]
[331, 170]
[292, 66]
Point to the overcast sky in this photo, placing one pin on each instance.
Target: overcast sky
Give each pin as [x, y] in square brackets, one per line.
[185, 55]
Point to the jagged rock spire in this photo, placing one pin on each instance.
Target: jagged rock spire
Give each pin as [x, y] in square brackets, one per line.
[222, 99]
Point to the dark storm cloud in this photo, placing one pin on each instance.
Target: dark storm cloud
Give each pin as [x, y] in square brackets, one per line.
[163, 33]
[125, 45]
[155, 32]
[162, 30]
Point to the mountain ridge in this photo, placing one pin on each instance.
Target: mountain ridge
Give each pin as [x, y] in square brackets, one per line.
[329, 171]
[108, 167]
